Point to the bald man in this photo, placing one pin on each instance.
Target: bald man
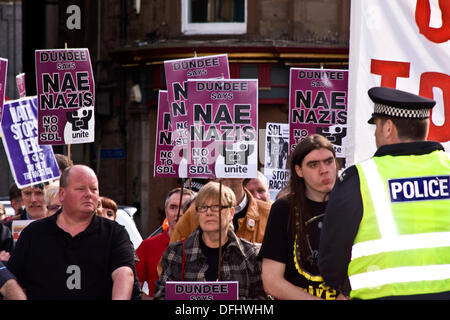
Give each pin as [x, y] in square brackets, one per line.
[75, 254]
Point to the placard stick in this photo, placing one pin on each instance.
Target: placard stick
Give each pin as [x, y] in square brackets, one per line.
[68, 154]
[68, 146]
[181, 198]
[220, 230]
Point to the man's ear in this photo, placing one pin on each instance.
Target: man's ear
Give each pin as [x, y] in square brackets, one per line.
[298, 170]
[390, 131]
[61, 194]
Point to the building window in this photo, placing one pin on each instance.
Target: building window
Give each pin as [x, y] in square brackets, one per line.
[214, 16]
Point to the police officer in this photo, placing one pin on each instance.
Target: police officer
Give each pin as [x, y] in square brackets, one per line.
[387, 222]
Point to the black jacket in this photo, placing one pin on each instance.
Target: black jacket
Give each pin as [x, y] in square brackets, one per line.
[6, 239]
[344, 213]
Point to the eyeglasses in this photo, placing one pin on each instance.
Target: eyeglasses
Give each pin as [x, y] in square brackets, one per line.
[53, 208]
[214, 208]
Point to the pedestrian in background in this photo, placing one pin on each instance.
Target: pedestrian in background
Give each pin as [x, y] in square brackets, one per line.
[51, 196]
[151, 250]
[109, 208]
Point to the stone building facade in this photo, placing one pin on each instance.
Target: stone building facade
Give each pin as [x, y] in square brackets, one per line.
[128, 43]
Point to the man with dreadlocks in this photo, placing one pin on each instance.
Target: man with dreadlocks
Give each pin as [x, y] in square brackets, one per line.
[290, 247]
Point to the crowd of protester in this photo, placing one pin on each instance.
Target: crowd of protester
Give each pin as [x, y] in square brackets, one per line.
[298, 247]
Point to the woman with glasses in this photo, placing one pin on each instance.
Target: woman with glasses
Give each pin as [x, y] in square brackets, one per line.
[197, 257]
[290, 247]
[51, 198]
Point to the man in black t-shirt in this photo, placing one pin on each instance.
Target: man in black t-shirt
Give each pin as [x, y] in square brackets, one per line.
[291, 240]
[75, 254]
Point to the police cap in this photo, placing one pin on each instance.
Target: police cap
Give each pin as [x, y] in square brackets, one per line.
[399, 104]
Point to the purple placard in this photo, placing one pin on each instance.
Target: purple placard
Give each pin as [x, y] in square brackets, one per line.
[177, 73]
[3, 74]
[223, 124]
[318, 104]
[207, 290]
[164, 166]
[30, 162]
[66, 96]
[20, 81]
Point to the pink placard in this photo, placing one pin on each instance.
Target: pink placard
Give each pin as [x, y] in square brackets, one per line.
[207, 290]
[66, 96]
[223, 127]
[164, 166]
[318, 104]
[177, 74]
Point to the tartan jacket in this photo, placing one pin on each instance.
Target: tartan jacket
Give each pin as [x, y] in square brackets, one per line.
[239, 263]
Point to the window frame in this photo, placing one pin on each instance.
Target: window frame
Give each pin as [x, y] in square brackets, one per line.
[200, 28]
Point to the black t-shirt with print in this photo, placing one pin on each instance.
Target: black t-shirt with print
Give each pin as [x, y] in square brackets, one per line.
[278, 245]
[212, 259]
[51, 264]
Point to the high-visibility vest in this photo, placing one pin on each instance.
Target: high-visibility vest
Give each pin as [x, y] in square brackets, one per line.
[403, 242]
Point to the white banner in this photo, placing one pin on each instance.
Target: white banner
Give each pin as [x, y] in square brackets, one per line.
[401, 44]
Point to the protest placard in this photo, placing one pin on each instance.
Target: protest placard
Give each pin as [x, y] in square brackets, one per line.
[30, 162]
[318, 104]
[276, 155]
[164, 166]
[66, 96]
[3, 74]
[18, 226]
[177, 74]
[204, 290]
[223, 126]
[21, 88]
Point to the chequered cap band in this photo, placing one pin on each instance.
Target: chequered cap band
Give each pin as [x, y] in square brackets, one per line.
[401, 113]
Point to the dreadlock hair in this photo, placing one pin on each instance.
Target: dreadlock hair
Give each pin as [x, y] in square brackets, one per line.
[297, 189]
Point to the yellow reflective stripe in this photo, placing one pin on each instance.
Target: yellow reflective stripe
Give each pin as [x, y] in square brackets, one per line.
[308, 276]
[403, 242]
[377, 278]
[379, 198]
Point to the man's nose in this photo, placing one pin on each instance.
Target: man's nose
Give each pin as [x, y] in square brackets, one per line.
[34, 197]
[323, 167]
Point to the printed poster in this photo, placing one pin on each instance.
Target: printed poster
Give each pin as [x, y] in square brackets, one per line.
[202, 290]
[318, 104]
[164, 166]
[177, 74]
[30, 162]
[276, 168]
[66, 96]
[18, 226]
[223, 126]
[21, 88]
